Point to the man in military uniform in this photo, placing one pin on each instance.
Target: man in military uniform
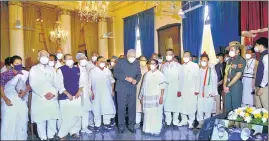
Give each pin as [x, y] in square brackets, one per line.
[232, 84]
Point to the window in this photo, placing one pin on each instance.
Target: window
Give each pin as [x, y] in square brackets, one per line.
[138, 43]
[207, 41]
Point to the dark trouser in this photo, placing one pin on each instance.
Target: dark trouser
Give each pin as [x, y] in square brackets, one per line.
[124, 98]
[233, 99]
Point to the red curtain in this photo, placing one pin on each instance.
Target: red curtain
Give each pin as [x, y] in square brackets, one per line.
[254, 19]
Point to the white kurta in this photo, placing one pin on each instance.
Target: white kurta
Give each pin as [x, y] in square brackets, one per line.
[189, 84]
[89, 66]
[206, 103]
[153, 83]
[15, 117]
[101, 86]
[42, 81]
[172, 72]
[138, 88]
[58, 64]
[247, 81]
[86, 102]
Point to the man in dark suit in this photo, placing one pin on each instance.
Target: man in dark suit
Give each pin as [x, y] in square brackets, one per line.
[220, 69]
[128, 74]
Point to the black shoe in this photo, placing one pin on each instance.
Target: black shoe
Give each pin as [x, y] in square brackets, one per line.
[121, 130]
[96, 129]
[132, 130]
[108, 126]
[113, 123]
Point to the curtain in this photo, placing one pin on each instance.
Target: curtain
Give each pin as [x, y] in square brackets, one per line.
[224, 22]
[29, 21]
[49, 17]
[254, 19]
[193, 26]
[90, 30]
[4, 34]
[130, 24]
[146, 28]
[75, 30]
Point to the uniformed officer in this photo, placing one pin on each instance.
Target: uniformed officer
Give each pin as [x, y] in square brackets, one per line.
[232, 84]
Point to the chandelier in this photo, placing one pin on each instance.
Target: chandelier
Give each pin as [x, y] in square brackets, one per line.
[58, 35]
[93, 10]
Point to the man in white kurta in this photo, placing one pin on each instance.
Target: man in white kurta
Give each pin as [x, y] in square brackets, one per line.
[102, 84]
[208, 90]
[249, 79]
[44, 107]
[70, 85]
[172, 103]
[59, 55]
[86, 102]
[189, 89]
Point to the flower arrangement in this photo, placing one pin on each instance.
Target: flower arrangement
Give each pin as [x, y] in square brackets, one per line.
[250, 115]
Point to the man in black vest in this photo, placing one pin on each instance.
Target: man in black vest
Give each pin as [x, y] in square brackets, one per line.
[261, 82]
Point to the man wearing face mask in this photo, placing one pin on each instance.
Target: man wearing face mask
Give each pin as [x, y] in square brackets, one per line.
[232, 84]
[14, 110]
[248, 79]
[102, 85]
[113, 62]
[189, 88]
[70, 86]
[208, 90]
[144, 69]
[45, 108]
[86, 102]
[261, 82]
[220, 69]
[91, 64]
[172, 103]
[52, 60]
[59, 54]
[128, 73]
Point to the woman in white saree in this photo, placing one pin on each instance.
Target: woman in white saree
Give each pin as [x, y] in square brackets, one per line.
[152, 97]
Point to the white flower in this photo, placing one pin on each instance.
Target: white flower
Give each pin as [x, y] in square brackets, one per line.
[264, 120]
[248, 119]
[234, 117]
[257, 111]
[264, 110]
[244, 108]
[242, 113]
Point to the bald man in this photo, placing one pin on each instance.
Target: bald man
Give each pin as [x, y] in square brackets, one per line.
[45, 108]
[128, 73]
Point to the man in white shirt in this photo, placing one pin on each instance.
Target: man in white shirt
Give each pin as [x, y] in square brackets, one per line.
[45, 108]
[189, 89]
[172, 103]
[60, 55]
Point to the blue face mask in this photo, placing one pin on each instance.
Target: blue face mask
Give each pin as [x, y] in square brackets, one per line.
[18, 67]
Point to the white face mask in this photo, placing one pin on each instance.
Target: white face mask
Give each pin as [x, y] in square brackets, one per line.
[102, 65]
[248, 56]
[169, 57]
[152, 67]
[186, 59]
[83, 62]
[112, 63]
[51, 63]
[203, 63]
[69, 63]
[94, 58]
[217, 60]
[232, 53]
[44, 60]
[226, 59]
[131, 59]
[59, 56]
[256, 49]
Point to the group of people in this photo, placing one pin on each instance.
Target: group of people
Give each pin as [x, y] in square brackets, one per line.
[69, 97]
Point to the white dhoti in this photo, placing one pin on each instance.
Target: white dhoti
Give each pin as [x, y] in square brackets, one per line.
[48, 127]
[248, 98]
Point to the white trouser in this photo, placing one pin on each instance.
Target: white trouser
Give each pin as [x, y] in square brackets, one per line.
[138, 118]
[85, 120]
[106, 119]
[14, 122]
[184, 118]
[168, 118]
[47, 127]
[70, 125]
[91, 119]
[203, 115]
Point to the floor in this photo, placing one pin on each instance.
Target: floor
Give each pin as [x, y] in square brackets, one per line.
[170, 133]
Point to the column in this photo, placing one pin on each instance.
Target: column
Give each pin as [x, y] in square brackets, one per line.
[16, 29]
[65, 19]
[102, 42]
